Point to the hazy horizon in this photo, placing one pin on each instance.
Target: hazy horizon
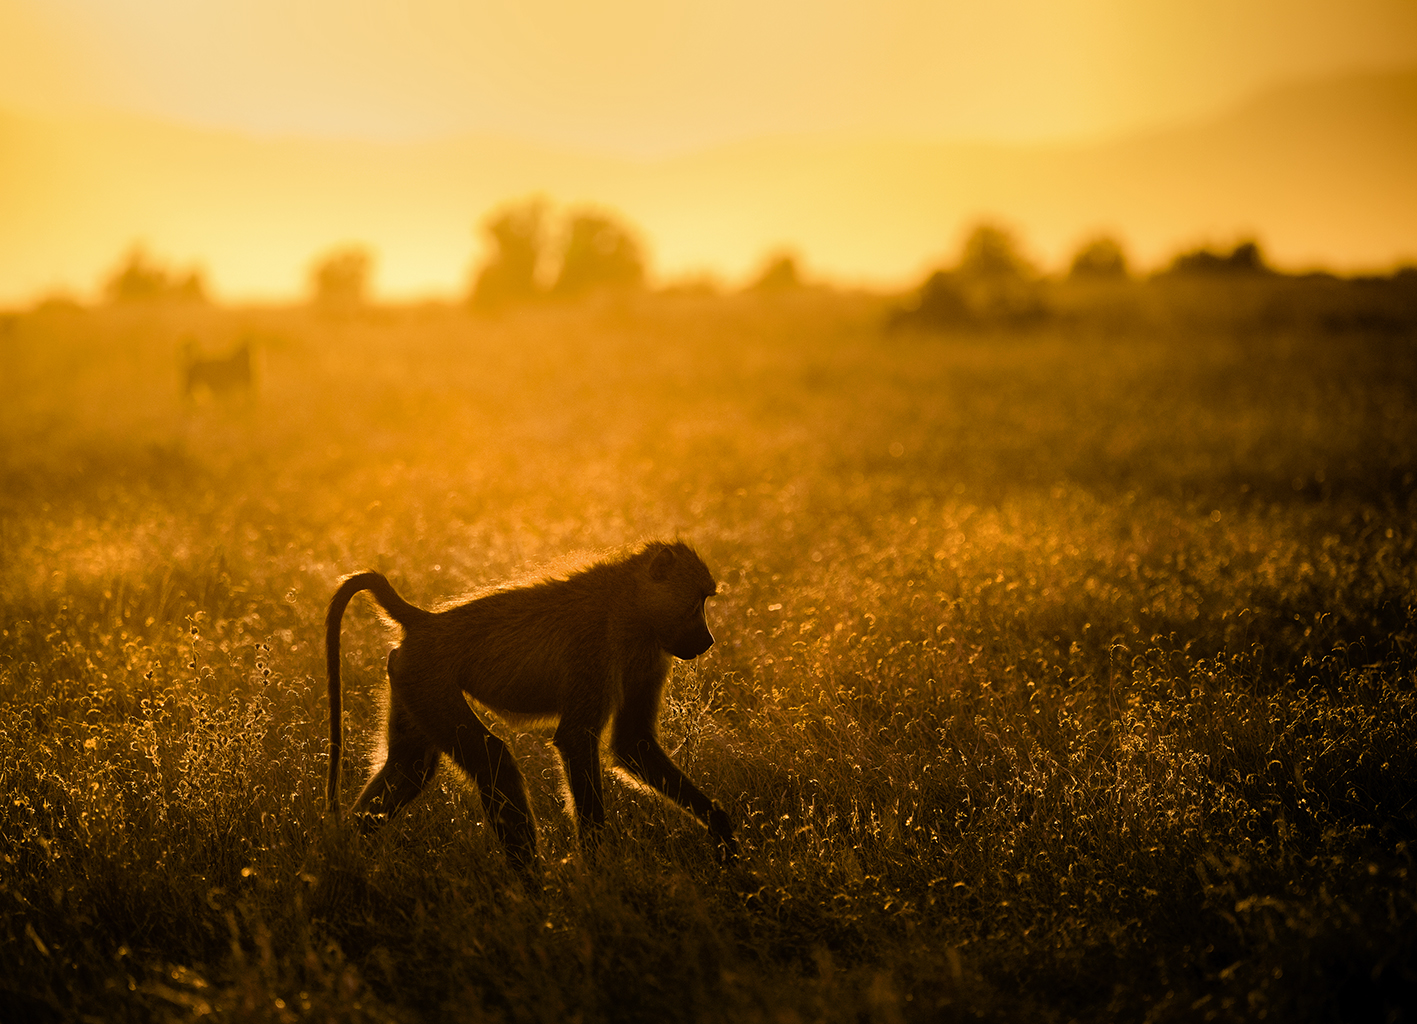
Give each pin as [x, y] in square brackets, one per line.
[250, 138]
[634, 79]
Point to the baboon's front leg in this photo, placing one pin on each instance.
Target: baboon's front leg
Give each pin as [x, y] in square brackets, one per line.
[579, 747]
[642, 756]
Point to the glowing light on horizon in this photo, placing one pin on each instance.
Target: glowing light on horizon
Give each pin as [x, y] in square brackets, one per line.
[639, 77]
[625, 92]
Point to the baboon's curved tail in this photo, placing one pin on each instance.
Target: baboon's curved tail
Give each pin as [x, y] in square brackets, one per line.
[399, 610]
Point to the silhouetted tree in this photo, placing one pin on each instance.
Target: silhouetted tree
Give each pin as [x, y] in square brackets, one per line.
[996, 282]
[140, 278]
[600, 252]
[938, 302]
[779, 274]
[1245, 258]
[990, 252]
[1101, 258]
[340, 278]
[993, 285]
[518, 235]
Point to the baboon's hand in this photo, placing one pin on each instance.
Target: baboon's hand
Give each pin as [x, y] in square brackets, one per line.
[720, 826]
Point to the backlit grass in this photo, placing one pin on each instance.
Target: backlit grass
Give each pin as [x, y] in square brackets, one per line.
[1061, 674]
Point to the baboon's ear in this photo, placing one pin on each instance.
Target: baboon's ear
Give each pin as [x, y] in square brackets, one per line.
[663, 562]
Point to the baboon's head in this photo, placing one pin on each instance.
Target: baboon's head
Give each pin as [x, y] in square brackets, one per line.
[679, 584]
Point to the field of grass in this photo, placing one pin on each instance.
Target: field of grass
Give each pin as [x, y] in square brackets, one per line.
[1061, 674]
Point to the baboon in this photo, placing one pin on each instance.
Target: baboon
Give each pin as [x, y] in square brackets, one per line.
[219, 375]
[583, 651]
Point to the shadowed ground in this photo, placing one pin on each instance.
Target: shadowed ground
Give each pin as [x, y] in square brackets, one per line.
[1063, 672]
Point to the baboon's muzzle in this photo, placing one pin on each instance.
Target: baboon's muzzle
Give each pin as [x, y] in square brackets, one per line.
[691, 643]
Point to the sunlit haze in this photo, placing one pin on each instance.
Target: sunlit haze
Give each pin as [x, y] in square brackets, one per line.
[626, 510]
[596, 101]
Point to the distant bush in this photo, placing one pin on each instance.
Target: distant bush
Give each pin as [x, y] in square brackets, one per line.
[140, 278]
[1101, 258]
[779, 274]
[590, 250]
[701, 284]
[1245, 258]
[992, 253]
[518, 235]
[600, 252]
[1371, 305]
[60, 302]
[993, 285]
[939, 302]
[340, 278]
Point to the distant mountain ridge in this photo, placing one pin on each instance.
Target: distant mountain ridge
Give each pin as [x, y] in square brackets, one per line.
[1321, 172]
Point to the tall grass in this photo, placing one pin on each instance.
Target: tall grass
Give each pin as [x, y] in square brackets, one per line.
[1067, 674]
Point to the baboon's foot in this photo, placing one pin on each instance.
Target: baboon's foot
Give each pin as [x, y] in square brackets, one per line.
[720, 826]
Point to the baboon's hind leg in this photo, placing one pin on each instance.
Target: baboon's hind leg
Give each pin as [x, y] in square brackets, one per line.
[411, 762]
[580, 753]
[489, 762]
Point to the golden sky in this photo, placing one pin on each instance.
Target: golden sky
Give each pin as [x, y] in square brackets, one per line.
[661, 110]
[652, 77]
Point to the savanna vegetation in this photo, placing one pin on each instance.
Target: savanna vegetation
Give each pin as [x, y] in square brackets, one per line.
[1065, 662]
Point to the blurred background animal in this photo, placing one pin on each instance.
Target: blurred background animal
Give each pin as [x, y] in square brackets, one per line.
[220, 375]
